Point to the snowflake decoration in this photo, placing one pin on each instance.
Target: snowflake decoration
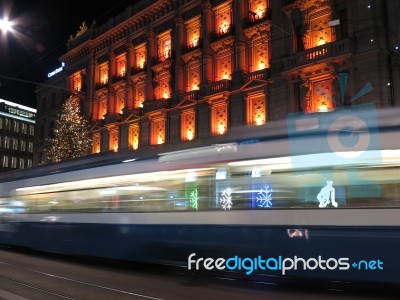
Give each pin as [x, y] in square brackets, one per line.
[264, 200]
[226, 198]
[194, 199]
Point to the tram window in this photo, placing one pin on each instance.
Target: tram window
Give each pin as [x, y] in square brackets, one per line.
[233, 188]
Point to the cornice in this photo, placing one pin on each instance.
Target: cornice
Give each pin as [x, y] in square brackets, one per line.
[191, 56]
[135, 25]
[101, 93]
[258, 30]
[120, 85]
[162, 67]
[223, 44]
[307, 6]
[139, 77]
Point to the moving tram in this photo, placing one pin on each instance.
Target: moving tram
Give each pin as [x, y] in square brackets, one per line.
[292, 190]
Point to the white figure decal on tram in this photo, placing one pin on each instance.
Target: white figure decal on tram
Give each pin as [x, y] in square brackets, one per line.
[327, 194]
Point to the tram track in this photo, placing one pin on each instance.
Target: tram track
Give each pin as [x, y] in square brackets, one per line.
[38, 288]
[47, 277]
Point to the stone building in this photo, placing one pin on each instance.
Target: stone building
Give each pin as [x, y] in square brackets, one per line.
[168, 74]
[17, 130]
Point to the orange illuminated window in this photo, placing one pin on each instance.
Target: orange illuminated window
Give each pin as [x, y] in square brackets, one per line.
[102, 108]
[167, 48]
[321, 97]
[193, 29]
[164, 46]
[158, 131]
[188, 124]
[224, 67]
[258, 8]
[77, 82]
[103, 70]
[219, 119]
[163, 90]
[121, 65]
[223, 19]
[120, 102]
[114, 139]
[320, 32]
[256, 114]
[193, 77]
[140, 56]
[139, 94]
[96, 143]
[260, 55]
[134, 136]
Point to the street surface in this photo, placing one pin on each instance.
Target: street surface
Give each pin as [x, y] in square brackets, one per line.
[37, 276]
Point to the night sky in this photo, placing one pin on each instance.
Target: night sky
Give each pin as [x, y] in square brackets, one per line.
[41, 31]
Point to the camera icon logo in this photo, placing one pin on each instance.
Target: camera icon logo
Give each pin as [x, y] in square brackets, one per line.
[345, 138]
[348, 135]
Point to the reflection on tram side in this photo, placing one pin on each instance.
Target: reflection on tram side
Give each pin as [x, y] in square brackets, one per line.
[255, 184]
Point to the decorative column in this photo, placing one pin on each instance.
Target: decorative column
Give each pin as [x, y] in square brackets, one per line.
[112, 70]
[105, 139]
[144, 134]
[178, 43]
[111, 73]
[305, 96]
[293, 106]
[124, 136]
[240, 46]
[151, 55]
[207, 72]
[130, 58]
[90, 84]
[174, 118]
[130, 63]
[203, 119]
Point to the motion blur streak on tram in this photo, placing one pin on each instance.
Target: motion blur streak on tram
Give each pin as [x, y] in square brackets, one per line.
[259, 195]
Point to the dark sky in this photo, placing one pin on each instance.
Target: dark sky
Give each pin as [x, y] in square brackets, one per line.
[41, 30]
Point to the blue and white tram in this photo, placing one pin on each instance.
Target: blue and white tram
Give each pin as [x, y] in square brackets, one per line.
[249, 203]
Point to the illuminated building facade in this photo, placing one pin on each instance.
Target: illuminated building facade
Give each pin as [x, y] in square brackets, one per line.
[17, 130]
[172, 72]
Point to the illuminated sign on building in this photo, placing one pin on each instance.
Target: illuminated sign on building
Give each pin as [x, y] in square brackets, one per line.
[58, 70]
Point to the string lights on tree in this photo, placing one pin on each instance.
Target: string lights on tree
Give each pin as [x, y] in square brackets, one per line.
[71, 136]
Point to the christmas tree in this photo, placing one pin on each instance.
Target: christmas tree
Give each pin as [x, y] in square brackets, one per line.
[71, 136]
